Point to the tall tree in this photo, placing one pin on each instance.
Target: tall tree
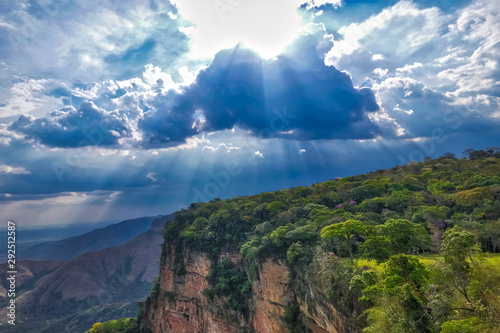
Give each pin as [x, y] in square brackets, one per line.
[346, 230]
[405, 236]
[459, 249]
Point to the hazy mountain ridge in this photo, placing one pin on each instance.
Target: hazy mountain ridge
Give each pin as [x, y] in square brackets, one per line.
[27, 237]
[68, 296]
[95, 240]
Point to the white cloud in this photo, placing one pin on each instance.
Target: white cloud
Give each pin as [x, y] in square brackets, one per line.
[452, 59]
[385, 121]
[7, 25]
[319, 3]
[191, 143]
[5, 141]
[220, 146]
[6, 169]
[474, 53]
[258, 153]
[70, 45]
[381, 72]
[28, 96]
[155, 77]
[187, 76]
[301, 151]
[398, 109]
[400, 29]
[408, 68]
[423, 111]
[152, 176]
[7, 135]
[400, 82]
[454, 54]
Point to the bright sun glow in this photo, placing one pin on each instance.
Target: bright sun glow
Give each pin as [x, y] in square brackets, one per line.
[262, 25]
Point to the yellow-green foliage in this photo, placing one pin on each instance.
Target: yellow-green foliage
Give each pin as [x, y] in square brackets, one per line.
[492, 260]
[457, 291]
[124, 325]
[469, 325]
[473, 197]
[370, 264]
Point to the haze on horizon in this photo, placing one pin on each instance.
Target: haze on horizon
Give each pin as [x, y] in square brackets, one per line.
[115, 110]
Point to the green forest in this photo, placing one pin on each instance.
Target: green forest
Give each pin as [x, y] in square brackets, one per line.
[409, 249]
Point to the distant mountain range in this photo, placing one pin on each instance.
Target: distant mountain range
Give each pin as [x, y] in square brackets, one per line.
[95, 240]
[69, 296]
[28, 237]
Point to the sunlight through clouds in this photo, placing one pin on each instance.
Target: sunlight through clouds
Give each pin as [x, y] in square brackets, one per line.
[264, 26]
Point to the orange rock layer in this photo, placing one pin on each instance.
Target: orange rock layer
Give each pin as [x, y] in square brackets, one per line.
[181, 306]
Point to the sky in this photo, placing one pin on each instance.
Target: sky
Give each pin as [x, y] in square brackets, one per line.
[112, 109]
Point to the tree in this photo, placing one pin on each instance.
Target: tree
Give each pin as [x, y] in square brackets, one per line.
[400, 306]
[402, 269]
[466, 288]
[377, 247]
[276, 207]
[473, 154]
[474, 197]
[366, 286]
[430, 214]
[405, 236]
[459, 249]
[492, 170]
[450, 155]
[492, 233]
[346, 230]
[359, 193]
[293, 252]
[412, 183]
[200, 223]
[400, 200]
[278, 235]
[436, 186]
[373, 205]
[376, 186]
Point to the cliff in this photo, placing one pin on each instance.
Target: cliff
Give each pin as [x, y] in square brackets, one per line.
[180, 305]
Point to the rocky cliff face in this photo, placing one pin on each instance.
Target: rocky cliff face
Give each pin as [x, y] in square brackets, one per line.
[181, 306]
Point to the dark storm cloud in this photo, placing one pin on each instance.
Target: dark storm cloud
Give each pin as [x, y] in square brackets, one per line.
[69, 127]
[311, 101]
[294, 96]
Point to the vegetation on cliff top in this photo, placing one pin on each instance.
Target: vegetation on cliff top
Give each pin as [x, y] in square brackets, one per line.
[125, 325]
[448, 206]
